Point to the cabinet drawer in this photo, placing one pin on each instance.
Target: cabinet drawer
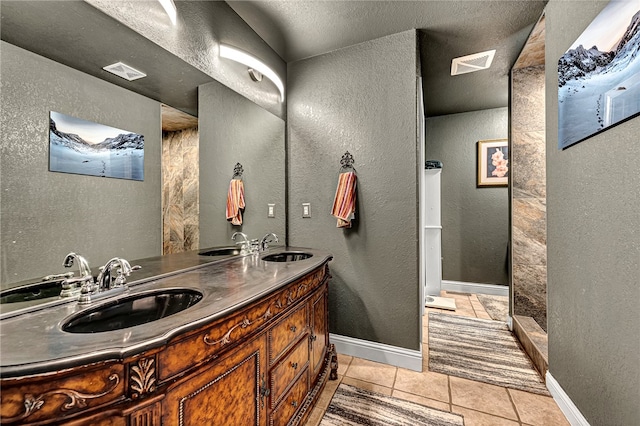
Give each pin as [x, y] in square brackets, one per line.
[291, 402]
[285, 372]
[57, 396]
[288, 330]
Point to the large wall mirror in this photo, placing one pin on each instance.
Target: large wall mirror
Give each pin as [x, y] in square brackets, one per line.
[52, 62]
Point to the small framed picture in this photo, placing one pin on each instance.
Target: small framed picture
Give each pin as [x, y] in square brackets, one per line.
[493, 162]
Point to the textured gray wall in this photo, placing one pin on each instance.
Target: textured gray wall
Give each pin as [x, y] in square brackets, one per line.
[475, 221]
[235, 130]
[360, 99]
[45, 215]
[201, 26]
[593, 194]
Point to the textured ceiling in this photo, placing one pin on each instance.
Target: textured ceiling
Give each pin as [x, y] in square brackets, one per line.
[448, 29]
[76, 34]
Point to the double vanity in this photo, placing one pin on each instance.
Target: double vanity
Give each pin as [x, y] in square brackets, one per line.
[197, 338]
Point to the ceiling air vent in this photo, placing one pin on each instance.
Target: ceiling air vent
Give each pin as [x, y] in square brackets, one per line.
[124, 71]
[472, 63]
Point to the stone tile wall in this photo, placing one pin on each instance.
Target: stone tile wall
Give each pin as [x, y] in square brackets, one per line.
[180, 204]
[529, 228]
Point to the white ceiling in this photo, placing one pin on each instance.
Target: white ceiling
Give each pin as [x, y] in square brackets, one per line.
[299, 29]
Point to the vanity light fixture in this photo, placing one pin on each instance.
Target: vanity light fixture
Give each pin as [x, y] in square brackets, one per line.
[472, 63]
[170, 7]
[254, 64]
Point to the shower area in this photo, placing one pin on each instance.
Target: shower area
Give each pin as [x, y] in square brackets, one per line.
[528, 199]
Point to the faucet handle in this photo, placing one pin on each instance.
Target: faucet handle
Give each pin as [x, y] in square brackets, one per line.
[58, 276]
[70, 286]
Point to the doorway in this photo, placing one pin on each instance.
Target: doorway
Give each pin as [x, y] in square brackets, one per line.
[527, 199]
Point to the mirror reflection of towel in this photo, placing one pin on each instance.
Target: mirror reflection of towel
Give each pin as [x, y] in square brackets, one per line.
[344, 203]
[235, 201]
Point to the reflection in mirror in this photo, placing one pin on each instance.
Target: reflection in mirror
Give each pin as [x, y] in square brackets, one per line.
[180, 181]
[235, 130]
[44, 215]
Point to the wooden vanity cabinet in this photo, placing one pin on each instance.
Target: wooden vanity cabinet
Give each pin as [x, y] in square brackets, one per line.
[261, 365]
[225, 392]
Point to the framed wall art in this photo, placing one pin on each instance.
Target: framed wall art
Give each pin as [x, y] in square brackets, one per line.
[493, 163]
[83, 147]
[599, 76]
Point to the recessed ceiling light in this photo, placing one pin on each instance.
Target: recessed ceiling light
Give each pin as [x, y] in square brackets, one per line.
[472, 63]
[124, 71]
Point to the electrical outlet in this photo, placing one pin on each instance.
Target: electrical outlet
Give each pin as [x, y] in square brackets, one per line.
[306, 209]
[271, 211]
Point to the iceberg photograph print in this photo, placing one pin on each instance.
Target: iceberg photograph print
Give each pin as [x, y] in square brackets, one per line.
[599, 76]
[82, 147]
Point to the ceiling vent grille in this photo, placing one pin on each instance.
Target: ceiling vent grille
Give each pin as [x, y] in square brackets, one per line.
[124, 71]
[472, 63]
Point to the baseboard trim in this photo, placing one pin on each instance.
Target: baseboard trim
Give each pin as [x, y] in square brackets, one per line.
[568, 408]
[378, 352]
[477, 288]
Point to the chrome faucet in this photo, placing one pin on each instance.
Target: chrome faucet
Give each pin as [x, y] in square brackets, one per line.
[245, 246]
[106, 281]
[106, 284]
[83, 265]
[264, 242]
[73, 286]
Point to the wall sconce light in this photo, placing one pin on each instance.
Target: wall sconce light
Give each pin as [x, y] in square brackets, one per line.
[170, 7]
[254, 64]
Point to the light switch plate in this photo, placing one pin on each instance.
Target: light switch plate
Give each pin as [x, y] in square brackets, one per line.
[271, 210]
[306, 209]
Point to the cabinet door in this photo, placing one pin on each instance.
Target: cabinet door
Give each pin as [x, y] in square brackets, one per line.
[319, 331]
[228, 391]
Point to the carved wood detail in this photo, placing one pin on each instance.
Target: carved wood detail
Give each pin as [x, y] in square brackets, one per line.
[148, 416]
[142, 378]
[283, 301]
[263, 363]
[242, 324]
[76, 399]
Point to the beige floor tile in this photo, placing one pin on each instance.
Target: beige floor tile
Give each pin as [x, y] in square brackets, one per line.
[483, 315]
[426, 384]
[476, 418]
[343, 363]
[478, 306]
[367, 386]
[315, 417]
[372, 372]
[327, 393]
[481, 397]
[537, 410]
[466, 313]
[425, 357]
[427, 402]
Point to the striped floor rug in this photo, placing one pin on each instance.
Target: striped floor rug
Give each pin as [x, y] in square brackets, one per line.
[481, 350]
[354, 406]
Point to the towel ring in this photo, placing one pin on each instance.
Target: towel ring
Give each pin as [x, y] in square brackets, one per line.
[346, 162]
[237, 171]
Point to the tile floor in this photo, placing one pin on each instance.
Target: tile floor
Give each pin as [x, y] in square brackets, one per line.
[481, 404]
